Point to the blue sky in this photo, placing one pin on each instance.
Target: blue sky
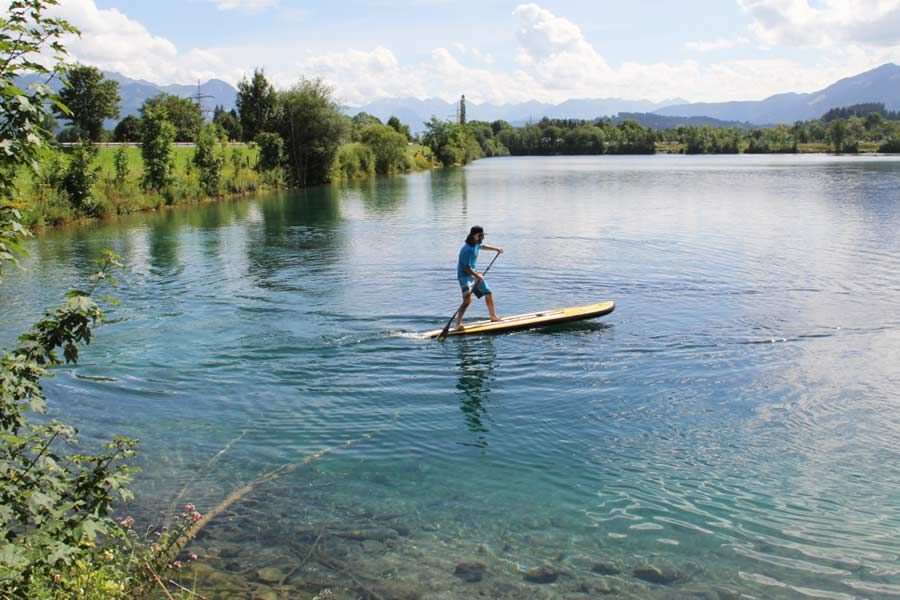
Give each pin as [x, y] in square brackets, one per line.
[496, 51]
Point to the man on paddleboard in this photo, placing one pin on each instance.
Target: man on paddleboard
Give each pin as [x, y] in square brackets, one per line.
[467, 275]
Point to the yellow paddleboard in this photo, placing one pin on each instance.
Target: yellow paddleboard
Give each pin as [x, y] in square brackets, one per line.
[531, 320]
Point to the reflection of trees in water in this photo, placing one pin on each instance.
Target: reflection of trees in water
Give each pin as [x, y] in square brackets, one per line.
[162, 242]
[449, 185]
[380, 194]
[299, 231]
[476, 365]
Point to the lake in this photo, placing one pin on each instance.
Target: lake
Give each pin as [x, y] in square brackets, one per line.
[733, 427]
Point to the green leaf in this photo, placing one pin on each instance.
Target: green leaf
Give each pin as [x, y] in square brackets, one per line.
[13, 557]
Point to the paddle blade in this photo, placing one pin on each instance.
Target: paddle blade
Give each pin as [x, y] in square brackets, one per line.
[443, 334]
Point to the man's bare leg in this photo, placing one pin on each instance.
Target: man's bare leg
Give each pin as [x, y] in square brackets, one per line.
[467, 300]
[489, 299]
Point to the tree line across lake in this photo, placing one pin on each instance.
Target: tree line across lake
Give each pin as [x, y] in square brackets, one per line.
[299, 137]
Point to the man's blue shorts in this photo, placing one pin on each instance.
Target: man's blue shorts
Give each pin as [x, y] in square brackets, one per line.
[480, 290]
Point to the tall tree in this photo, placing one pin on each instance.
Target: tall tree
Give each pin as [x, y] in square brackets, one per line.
[157, 135]
[388, 146]
[400, 127]
[256, 105]
[229, 121]
[360, 121]
[183, 113]
[312, 126]
[90, 98]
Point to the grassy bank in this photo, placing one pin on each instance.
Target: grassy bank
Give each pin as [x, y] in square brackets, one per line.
[45, 202]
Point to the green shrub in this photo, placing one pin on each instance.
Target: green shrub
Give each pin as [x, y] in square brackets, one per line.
[271, 151]
[353, 161]
[78, 180]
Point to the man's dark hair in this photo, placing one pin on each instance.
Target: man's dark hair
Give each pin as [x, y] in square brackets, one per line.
[472, 233]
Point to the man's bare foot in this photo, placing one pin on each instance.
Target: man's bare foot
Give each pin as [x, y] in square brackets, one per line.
[459, 326]
[495, 318]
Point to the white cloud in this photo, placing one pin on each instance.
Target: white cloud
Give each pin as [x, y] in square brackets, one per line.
[112, 41]
[250, 6]
[555, 61]
[717, 44]
[825, 23]
[554, 51]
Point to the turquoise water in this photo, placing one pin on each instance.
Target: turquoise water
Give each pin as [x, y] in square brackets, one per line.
[734, 423]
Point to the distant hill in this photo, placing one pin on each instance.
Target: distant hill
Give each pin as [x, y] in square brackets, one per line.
[881, 84]
[135, 91]
[878, 85]
[655, 121]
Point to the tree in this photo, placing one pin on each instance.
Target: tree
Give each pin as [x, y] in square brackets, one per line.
[462, 110]
[837, 134]
[312, 127]
[26, 34]
[360, 121]
[80, 176]
[128, 130]
[400, 127]
[271, 151]
[157, 136]
[209, 157]
[256, 105]
[228, 121]
[90, 98]
[388, 146]
[183, 113]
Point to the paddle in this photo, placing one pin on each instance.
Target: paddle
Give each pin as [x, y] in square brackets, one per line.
[446, 329]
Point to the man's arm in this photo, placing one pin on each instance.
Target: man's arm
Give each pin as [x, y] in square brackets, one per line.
[498, 250]
[473, 273]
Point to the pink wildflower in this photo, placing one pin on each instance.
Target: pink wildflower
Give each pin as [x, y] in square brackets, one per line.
[192, 556]
[176, 564]
[196, 516]
[189, 507]
[126, 522]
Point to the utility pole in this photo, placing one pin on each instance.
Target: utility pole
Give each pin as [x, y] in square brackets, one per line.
[199, 97]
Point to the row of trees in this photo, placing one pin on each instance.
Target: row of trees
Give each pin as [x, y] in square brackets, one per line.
[458, 143]
[840, 134]
[300, 129]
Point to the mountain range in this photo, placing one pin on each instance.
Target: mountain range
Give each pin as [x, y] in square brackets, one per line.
[881, 84]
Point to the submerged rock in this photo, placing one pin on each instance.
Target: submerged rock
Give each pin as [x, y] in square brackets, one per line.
[264, 592]
[542, 574]
[606, 567]
[595, 587]
[270, 575]
[470, 570]
[662, 574]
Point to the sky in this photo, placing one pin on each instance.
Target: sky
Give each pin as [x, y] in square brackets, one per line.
[494, 51]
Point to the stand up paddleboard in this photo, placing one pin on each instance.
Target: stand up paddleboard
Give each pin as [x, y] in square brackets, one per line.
[531, 320]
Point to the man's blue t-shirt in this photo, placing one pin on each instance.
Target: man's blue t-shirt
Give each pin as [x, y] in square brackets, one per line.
[468, 255]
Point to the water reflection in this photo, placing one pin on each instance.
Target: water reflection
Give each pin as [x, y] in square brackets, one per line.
[381, 195]
[300, 233]
[163, 241]
[477, 359]
[449, 184]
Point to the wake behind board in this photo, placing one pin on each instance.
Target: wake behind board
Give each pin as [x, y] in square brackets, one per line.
[531, 320]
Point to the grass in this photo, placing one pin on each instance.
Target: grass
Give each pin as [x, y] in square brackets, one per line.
[45, 203]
